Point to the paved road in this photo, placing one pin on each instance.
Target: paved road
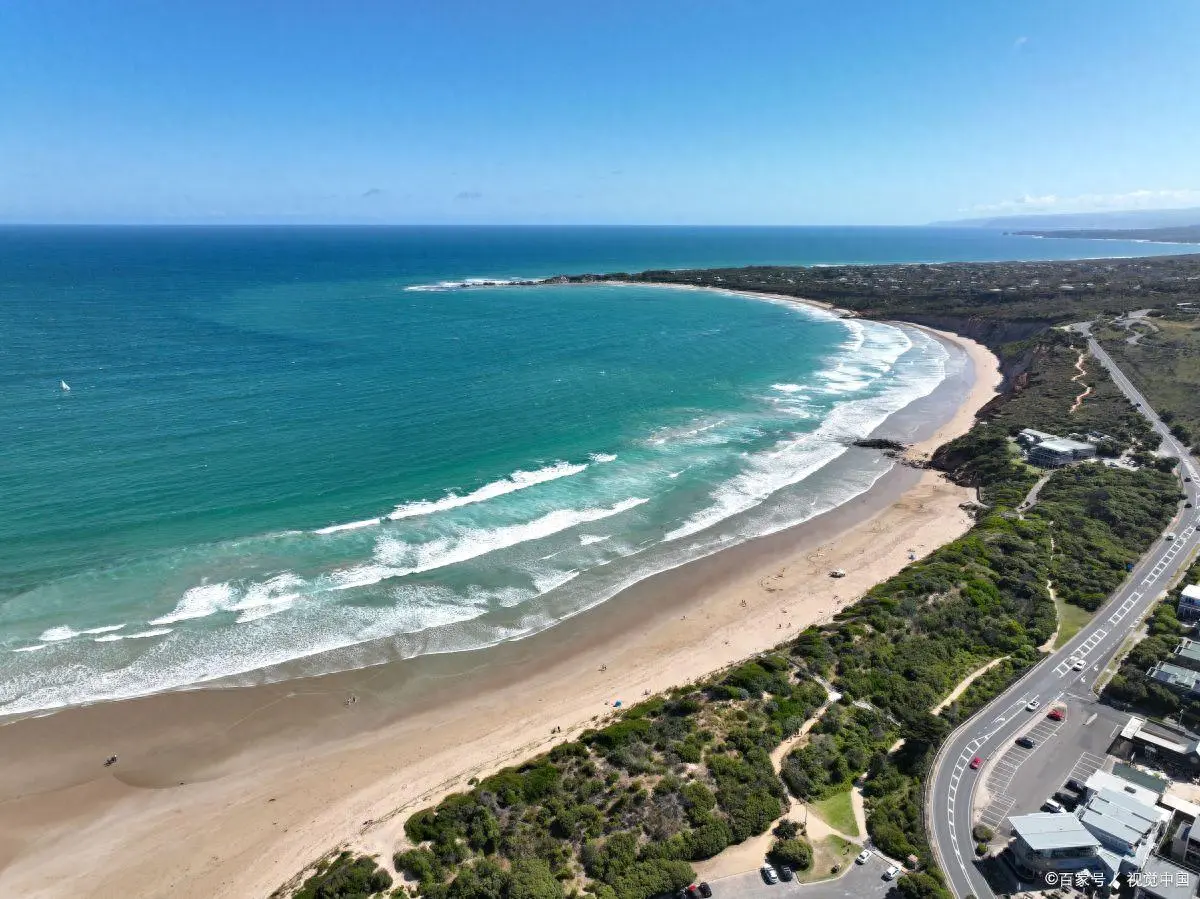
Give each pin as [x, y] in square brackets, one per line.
[991, 731]
[859, 882]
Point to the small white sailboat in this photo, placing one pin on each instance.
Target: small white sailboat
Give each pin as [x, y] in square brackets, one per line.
[65, 385]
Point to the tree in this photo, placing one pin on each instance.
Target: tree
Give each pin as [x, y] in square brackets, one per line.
[796, 854]
[921, 886]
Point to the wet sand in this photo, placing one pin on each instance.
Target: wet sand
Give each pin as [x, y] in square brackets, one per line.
[230, 792]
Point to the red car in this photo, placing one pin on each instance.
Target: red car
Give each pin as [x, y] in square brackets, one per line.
[975, 763]
[1056, 715]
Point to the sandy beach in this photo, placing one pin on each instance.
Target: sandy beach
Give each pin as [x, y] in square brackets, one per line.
[231, 792]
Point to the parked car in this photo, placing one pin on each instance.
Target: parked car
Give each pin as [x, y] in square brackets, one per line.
[975, 763]
[1033, 705]
[1056, 714]
[1025, 742]
[1074, 786]
[1170, 535]
[705, 890]
[785, 873]
[1079, 664]
[768, 874]
[863, 857]
[892, 872]
[1052, 805]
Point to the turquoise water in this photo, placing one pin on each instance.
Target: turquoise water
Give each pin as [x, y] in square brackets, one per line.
[284, 446]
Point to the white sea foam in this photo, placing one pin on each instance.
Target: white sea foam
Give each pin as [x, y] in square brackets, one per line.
[106, 629]
[788, 388]
[518, 480]
[791, 461]
[198, 602]
[603, 457]
[589, 539]
[33, 648]
[57, 634]
[544, 583]
[471, 282]
[396, 558]
[352, 526]
[140, 635]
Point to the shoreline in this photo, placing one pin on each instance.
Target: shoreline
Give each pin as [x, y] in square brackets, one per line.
[230, 792]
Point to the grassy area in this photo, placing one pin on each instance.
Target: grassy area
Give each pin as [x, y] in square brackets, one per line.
[827, 853]
[837, 812]
[1071, 619]
[1165, 366]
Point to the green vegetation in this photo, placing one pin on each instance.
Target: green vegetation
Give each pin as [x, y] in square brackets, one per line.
[345, 877]
[625, 808]
[1164, 364]
[1071, 620]
[838, 812]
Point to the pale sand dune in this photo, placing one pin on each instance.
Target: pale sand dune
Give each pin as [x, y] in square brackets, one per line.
[228, 793]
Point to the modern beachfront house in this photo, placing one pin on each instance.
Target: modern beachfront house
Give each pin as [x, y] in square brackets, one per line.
[1051, 451]
[1180, 679]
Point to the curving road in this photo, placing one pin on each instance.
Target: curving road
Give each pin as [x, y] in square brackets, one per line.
[991, 731]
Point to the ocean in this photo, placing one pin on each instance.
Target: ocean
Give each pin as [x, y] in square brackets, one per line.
[325, 448]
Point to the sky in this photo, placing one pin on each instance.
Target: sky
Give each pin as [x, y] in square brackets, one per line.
[616, 112]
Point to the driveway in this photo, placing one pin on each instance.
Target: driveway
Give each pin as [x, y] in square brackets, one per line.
[859, 882]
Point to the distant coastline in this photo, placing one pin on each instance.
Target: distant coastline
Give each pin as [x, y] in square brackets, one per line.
[1174, 235]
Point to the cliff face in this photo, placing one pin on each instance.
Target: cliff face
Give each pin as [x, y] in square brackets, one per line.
[993, 334]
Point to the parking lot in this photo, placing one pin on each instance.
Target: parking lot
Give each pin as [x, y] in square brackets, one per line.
[859, 882]
[1074, 748]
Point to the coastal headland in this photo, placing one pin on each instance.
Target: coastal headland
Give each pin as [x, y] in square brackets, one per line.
[231, 791]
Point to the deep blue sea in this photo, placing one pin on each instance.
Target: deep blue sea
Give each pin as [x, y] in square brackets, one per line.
[318, 444]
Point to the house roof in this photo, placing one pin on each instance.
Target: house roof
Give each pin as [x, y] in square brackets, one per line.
[1119, 815]
[1043, 831]
[1102, 780]
[1191, 591]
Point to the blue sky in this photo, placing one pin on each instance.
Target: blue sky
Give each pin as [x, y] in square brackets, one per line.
[556, 111]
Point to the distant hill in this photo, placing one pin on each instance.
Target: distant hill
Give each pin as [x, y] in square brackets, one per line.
[1127, 219]
[1180, 234]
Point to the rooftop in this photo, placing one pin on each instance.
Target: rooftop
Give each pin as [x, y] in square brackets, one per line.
[1120, 816]
[1102, 780]
[1044, 831]
[1175, 675]
[1065, 445]
[1188, 649]
[1191, 591]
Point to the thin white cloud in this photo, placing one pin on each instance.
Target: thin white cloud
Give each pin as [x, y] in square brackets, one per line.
[1134, 199]
[1020, 42]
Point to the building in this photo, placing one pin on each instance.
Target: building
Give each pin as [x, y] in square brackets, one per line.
[1178, 678]
[1188, 608]
[1163, 879]
[1029, 437]
[1187, 654]
[1050, 841]
[1102, 780]
[1124, 824]
[1060, 451]
[1157, 741]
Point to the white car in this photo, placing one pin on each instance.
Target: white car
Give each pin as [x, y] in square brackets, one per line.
[1079, 664]
[892, 872]
[863, 857]
[1033, 705]
[1170, 535]
[768, 874]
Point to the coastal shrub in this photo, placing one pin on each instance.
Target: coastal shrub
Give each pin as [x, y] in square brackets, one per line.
[652, 878]
[531, 878]
[795, 853]
[922, 885]
[346, 877]
[420, 865]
